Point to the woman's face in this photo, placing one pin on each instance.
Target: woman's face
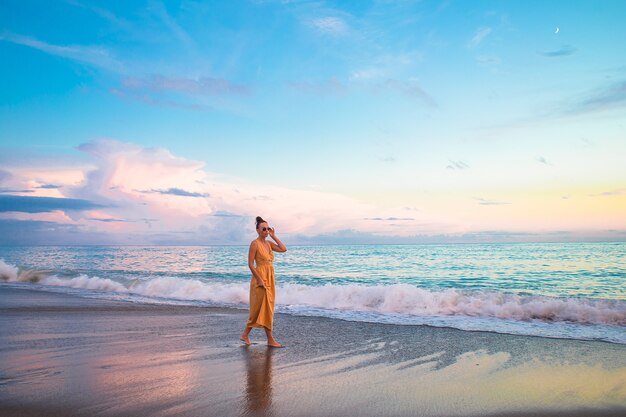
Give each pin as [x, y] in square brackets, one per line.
[260, 230]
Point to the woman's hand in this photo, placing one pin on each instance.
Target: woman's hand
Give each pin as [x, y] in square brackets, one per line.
[279, 246]
[261, 283]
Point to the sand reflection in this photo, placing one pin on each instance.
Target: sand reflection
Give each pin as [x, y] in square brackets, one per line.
[258, 394]
[162, 380]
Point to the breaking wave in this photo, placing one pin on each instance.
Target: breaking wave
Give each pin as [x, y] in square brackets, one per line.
[397, 300]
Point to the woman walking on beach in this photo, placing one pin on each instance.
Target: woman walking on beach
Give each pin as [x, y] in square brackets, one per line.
[262, 285]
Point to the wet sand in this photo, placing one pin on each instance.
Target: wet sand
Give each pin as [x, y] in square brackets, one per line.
[62, 355]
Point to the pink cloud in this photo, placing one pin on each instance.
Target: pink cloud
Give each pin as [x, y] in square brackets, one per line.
[152, 192]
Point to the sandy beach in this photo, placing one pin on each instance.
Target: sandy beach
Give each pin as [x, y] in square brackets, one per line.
[70, 356]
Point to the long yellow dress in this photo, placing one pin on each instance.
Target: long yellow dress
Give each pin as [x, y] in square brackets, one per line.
[262, 299]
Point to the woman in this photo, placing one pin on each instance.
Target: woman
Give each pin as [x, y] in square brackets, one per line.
[262, 285]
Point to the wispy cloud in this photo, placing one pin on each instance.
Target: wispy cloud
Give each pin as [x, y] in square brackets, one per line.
[479, 36]
[543, 160]
[109, 220]
[196, 94]
[609, 97]
[367, 74]
[599, 99]
[613, 193]
[460, 164]
[177, 192]
[92, 55]
[489, 202]
[224, 214]
[488, 60]
[565, 50]
[158, 102]
[385, 65]
[330, 25]
[13, 190]
[201, 86]
[49, 186]
[410, 88]
[181, 34]
[103, 13]
[388, 159]
[30, 204]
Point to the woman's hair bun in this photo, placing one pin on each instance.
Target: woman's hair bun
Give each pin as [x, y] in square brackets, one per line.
[259, 220]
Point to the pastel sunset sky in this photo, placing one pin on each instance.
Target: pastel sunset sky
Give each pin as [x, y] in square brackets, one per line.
[178, 122]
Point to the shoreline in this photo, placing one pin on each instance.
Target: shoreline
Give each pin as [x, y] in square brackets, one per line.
[114, 358]
[361, 316]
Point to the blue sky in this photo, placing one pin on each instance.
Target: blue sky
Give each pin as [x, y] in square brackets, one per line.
[177, 122]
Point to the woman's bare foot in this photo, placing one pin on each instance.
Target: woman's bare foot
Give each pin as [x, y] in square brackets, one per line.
[274, 344]
[245, 339]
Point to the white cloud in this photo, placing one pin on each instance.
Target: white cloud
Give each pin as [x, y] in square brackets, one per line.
[479, 36]
[93, 55]
[330, 25]
[130, 183]
[366, 74]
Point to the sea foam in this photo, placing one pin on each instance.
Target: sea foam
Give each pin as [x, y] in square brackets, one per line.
[395, 299]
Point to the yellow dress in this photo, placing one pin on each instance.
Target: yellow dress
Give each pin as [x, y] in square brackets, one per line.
[262, 299]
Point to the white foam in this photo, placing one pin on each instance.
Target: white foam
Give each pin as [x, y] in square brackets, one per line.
[413, 301]
[392, 300]
[85, 282]
[12, 273]
[8, 272]
[194, 290]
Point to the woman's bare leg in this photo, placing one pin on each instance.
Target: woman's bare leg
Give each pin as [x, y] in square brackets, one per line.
[245, 335]
[270, 339]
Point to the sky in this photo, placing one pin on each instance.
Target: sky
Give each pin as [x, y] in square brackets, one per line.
[347, 122]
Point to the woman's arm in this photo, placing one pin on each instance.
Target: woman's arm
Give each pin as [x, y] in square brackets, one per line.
[251, 255]
[279, 246]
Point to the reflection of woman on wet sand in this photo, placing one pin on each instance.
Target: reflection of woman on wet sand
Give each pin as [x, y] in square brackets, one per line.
[259, 382]
[262, 285]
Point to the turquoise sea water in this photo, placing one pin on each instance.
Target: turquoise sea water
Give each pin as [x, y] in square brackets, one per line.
[573, 290]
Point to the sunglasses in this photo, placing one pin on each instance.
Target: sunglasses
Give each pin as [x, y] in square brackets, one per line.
[266, 229]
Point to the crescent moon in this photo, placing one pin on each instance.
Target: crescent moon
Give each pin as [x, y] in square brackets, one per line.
[557, 30]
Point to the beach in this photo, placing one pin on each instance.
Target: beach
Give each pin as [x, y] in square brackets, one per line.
[65, 355]
[424, 199]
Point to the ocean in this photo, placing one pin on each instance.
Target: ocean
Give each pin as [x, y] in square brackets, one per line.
[557, 290]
